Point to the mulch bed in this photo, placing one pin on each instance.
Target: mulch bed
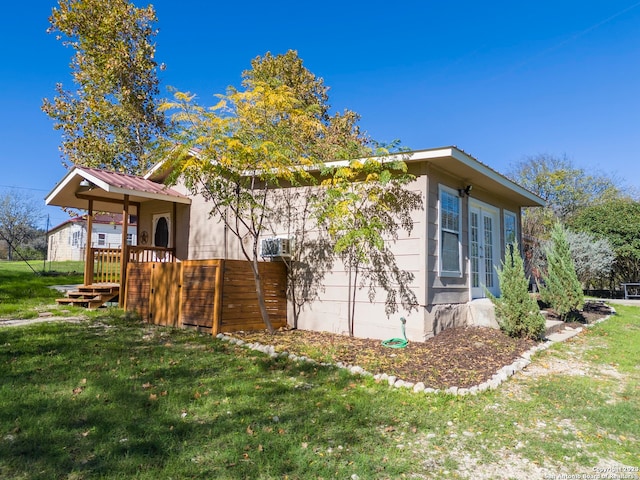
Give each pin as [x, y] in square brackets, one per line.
[592, 311]
[460, 357]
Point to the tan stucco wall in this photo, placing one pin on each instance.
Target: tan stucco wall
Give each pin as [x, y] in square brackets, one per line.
[329, 312]
[145, 219]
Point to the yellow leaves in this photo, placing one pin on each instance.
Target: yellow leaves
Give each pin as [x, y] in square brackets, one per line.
[186, 97]
[372, 177]
[222, 104]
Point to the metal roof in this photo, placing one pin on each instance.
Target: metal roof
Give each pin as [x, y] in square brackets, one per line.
[107, 190]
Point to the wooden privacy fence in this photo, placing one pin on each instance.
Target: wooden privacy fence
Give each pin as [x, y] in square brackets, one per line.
[212, 295]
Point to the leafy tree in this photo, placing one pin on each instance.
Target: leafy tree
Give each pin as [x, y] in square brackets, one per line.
[272, 134]
[593, 257]
[564, 187]
[288, 69]
[617, 221]
[561, 289]
[111, 117]
[366, 205]
[268, 135]
[517, 311]
[295, 209]
[341, 137]
[19, 217]
[566, 190]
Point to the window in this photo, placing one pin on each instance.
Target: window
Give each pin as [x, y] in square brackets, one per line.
[510, 227]
[449, 232]
[76, 239]
[129, 238]
[161, 229]
[102, 239]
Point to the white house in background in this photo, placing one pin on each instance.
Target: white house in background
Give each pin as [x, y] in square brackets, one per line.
[68, 240]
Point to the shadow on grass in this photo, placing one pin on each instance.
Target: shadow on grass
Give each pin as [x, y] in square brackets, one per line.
[130, 401]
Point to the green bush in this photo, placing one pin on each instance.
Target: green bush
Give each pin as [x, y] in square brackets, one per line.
[516, 311]
[562, 289]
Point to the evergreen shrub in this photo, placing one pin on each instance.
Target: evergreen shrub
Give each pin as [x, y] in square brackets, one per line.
[517, 311]
[561, 289]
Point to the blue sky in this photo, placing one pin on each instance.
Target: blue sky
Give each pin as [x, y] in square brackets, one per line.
[501, 80]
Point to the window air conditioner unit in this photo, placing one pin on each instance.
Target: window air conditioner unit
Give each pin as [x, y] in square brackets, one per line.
[275, 247]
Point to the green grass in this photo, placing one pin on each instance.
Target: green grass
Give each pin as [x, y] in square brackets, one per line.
[23, 293]
[124, 401]
[114, 398]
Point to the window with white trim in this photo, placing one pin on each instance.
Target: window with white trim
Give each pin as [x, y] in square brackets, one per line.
[102, 239]
[510, 227]
[161, 230]
[450, 230]
[76, 239]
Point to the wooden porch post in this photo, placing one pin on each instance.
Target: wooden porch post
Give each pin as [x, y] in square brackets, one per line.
[88, 257]
[124, 251]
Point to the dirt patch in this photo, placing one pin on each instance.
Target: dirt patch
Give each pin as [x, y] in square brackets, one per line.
[592, 311]
[31, 321]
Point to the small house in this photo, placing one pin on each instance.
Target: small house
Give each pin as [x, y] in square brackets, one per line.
[471, 212]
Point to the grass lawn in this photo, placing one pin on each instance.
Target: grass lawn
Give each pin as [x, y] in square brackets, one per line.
[114, 398]
[24, 293]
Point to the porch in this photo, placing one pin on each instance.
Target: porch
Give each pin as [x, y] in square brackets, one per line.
[156, 278]
[105, 273]
[96, 191]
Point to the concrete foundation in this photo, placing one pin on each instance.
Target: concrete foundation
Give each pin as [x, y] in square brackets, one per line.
[481, 313]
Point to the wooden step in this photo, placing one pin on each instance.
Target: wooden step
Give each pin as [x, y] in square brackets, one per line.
[99, 288]
[91, 296]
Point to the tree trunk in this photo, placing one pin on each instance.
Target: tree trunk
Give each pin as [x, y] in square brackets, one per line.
[353, 302]
[291, 281]
[261, 303]
[349, 304]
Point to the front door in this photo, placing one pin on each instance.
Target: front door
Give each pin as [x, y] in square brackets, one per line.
[484, 234]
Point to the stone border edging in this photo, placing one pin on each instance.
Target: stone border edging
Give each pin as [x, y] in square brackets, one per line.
[493, 383]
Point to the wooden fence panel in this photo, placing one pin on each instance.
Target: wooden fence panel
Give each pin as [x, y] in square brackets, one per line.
[214, 295]
[164, 300]
[240, 310]
[138, 289]
[200, 294]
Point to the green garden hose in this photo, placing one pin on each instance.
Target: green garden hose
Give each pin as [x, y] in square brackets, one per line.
[397, 342]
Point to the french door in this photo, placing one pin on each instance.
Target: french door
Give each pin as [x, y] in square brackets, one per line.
[484, 254]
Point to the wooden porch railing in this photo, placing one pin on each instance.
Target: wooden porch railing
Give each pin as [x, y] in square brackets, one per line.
[140, 254]
[105, 265]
